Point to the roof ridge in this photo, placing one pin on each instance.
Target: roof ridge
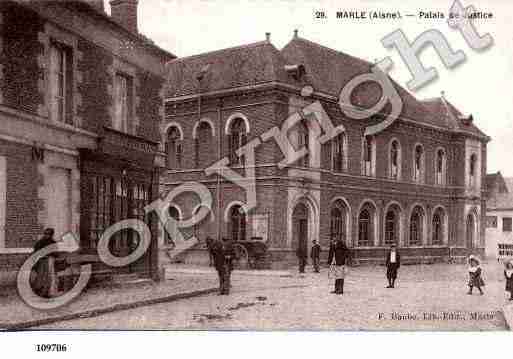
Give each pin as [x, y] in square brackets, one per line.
[233, 48]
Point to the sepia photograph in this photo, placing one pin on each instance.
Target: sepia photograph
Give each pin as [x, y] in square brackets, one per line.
[255, 165]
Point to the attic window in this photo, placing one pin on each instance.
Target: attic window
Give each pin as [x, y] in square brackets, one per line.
[467, 121]
[296, 71]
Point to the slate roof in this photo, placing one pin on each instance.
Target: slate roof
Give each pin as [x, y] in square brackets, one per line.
[500, 191]
[245, 65]
[327, 70]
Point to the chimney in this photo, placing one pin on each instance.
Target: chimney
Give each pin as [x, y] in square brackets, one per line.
[97, 4]
[124, 12]
[296, 33]
[268, 36]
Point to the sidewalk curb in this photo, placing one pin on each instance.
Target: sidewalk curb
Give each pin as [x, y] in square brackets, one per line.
[507, 311]
[97, 312]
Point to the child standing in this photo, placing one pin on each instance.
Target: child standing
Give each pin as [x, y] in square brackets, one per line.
[508, 273]
[474, 271]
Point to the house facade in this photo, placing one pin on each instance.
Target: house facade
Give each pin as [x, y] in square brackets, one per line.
[80, 108]
[418, 183]
[499, 217]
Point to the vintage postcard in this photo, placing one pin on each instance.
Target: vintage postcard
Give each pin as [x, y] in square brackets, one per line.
[255, 165]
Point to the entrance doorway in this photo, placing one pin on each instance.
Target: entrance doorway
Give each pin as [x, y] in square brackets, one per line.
[59, 201]
[300, 226]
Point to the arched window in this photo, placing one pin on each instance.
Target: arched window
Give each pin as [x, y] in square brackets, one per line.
[337, 225]
[391, 227]
[395, 160]
[174, 148]
[237, 139]
[437, 230]
[175, 214]
[440, 167]
[472, 170]
[237, 223]
[338, 153]
[304, 141]
[418, 164]
[369, 155]
[416, 226]
[203, 144]
[366, 226]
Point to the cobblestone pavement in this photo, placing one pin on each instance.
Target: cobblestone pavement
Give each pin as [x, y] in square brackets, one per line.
[422, 296]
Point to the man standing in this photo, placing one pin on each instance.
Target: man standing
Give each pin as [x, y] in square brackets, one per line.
[331, 251]
[45, 282]
[229, 256]
[340, 254]
[315, 254]
[393, 262]
[302, 254]
[220, 264]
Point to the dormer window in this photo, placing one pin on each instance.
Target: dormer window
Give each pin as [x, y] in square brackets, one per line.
[296, 71]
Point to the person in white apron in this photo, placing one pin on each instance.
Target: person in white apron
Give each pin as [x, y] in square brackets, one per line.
[337, 265]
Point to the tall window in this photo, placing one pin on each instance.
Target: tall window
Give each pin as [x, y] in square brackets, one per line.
[338, 153]
[418, 164]
[440, 167]
[391, 227]
[395, 160]
[472, 170]
[506, 224]
[203, 144]
[366, 226]
[368, 156]
[437, 227]
[122, 103]
[174, 148]
[304, 141]
[237, 139]
[61, 83]
[238, 223]
[337, 224]
[416, 227]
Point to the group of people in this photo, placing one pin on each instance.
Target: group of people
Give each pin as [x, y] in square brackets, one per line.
[222, 255]
[339, 254]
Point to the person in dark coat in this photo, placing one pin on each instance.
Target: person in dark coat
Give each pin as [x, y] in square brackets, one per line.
[315, 254]
[508, 274]
[229, 256]
[45, 280]
[220, 265]
[392, 262]
[209, 241]
[474, 273]
[301, 253]
[340, 256]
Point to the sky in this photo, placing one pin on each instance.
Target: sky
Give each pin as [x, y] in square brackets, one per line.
[481, 86]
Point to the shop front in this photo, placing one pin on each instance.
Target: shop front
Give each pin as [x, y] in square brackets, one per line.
[117, 181]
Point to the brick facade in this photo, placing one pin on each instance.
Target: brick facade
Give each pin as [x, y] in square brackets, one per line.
[318, 186]
[40, 152]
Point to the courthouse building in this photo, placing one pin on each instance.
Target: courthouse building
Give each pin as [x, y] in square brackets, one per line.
[418, 184]
[80, 108]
